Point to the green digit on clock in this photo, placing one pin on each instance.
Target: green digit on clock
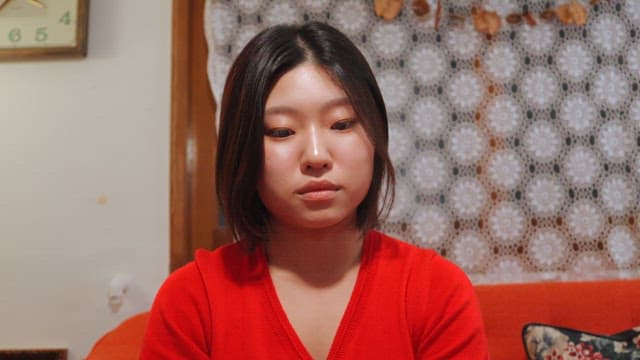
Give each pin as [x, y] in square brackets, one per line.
[15, 35]
[66, 18]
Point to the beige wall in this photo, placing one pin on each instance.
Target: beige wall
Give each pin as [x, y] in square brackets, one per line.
[72, 131]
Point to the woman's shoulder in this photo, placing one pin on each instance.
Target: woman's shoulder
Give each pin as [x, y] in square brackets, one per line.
[230, 264]
[210, 273]
[207, 265]
[204, 258]
[394, 247]
[425, 264]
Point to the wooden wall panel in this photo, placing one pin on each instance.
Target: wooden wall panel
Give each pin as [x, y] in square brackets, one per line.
[193, 206]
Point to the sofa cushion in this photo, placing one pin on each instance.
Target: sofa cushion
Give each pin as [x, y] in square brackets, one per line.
[543, 341]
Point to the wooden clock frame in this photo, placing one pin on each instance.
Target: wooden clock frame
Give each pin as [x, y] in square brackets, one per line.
[35, 53]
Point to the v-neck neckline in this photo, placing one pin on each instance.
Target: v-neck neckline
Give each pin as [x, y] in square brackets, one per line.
[349, 317]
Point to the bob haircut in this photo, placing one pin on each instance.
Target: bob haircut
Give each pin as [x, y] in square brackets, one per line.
[240, 153]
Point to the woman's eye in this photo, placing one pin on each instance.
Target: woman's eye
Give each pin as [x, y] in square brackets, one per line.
[279, 132]
[343, 124]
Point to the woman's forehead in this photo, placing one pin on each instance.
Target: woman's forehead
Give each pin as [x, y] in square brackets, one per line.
[306, 84]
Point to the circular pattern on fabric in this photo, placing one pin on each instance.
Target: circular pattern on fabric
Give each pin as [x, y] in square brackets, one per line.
[617, 194]
[547, 247]
[429, 117]
[538, 39]
[622, 246]
[543, 141]
[633, 60]
[582, 166]
[539, 87]
[470, 251]
[578, 113]
[505, 169]
[430, 172]
[222, 22]
[608, 33]
[468, 197]
[403, 205]
[615, 141]
[467, 144]
[610, 87]
[316, 5]
[350, 16]
[502, 7]
[545, 196]
[507, 269]
[588, 264]
[634, 112]
[389, 39]
[249, 6]
[281, 12]
[585, 219]
[503, 116]
[431, 225]
[632, 9]
[427, 64]
[463, 41]
[501, 62]
[401, 141]
[574, 60]
[506, 222]
[395, 88]
[466, 90]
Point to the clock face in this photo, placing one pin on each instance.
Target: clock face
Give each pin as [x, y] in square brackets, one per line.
[39, 24]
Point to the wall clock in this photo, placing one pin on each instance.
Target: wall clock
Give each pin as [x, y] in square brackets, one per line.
[33, 29]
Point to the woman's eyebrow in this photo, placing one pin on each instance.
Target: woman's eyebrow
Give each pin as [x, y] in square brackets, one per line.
[338, 102]
[284, 109]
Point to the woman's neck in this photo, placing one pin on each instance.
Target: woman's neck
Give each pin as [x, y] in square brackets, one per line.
[314, 257]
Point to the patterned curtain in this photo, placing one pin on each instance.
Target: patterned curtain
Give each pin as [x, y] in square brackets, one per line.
[518, 157]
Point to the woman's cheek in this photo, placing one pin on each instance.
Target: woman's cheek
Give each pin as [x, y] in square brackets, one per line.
[278, 158]
[360, 148]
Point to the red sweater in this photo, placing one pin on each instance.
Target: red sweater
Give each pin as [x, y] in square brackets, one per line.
[407, 303]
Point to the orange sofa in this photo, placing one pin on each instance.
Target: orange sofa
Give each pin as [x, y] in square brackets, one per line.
[603, 307]
[599, 307]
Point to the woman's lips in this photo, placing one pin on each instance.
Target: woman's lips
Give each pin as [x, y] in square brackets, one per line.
[322, 190]
[323, 195]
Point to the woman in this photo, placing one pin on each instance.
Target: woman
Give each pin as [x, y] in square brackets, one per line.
[302, 162]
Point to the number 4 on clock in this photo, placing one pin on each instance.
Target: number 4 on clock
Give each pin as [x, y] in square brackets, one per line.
[66, 18]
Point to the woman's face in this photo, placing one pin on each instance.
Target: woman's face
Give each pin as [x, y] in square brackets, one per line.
[318, 160]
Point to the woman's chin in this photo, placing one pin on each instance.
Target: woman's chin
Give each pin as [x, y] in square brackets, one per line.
[322, 221]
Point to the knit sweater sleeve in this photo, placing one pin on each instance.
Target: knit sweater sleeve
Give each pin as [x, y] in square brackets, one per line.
[444, 312]
[179, 326]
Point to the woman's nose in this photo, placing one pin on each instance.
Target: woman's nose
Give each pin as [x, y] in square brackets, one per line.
[316, 154]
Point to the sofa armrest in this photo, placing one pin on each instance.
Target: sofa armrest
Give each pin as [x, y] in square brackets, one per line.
[122, 343]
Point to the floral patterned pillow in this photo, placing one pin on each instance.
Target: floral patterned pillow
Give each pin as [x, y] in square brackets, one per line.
[548, 342]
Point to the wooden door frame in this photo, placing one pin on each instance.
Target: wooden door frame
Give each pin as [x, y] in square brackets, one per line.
[193, 205]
